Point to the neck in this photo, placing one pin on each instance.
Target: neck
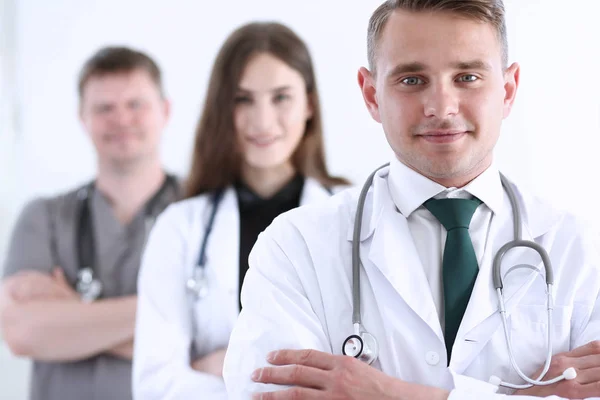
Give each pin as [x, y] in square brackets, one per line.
[457, 181]
[267, 181]
[128, 189]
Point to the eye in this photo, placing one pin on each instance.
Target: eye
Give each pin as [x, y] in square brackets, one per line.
[412, 81]
[103, 109]
[135, 104]
[242, 100]
[468, 78]
[281, 97]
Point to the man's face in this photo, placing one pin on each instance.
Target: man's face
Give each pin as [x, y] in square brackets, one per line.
[440, 92]
[124, 114]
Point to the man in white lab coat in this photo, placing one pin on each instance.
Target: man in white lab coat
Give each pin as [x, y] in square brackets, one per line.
[440, 84]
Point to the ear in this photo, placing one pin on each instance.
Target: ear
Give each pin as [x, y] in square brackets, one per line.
[166, 108]
[310, 108]
[511, 84]
[81, 115]
[366, 82]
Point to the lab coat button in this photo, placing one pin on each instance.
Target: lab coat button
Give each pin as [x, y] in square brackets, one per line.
[432, 358]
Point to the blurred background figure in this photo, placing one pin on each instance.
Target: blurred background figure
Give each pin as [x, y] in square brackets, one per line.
[68, 296]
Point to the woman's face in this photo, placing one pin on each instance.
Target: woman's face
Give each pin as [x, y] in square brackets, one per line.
[271, 111]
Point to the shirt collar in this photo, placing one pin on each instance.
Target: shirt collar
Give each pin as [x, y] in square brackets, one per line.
[409, 189]
[247, 198]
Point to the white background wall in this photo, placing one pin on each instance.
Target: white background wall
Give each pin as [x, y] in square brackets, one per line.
[549, 143]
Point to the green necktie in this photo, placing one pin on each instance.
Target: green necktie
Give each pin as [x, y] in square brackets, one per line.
[459, 264]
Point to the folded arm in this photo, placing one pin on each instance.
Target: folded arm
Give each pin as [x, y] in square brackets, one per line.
[162, 366]
[65, 329]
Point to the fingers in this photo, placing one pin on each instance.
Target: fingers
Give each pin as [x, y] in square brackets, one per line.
[589, 376]
[30, 280]
[308, 357]
[585, 362]
[293, 375]
[58, 274]
[590, 390]
[59, 277]
[34, 285]
[291, 394]
[588, 349]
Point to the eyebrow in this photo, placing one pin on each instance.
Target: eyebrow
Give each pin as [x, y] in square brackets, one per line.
[475, 64]
[407, 68]
[274, 90]
[414, 67]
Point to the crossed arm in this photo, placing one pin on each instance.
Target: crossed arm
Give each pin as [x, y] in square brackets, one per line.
[41, 317]
[317, 375]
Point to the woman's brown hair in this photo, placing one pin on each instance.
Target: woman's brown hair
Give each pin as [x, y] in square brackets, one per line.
[216, 160]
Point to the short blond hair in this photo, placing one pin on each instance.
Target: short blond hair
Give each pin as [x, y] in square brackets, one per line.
[488, 11]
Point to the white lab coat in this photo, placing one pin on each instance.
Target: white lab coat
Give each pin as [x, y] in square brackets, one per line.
[169, 318]
[297, 294]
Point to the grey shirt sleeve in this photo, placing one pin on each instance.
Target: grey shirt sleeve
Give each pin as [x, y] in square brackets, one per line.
[30, 246]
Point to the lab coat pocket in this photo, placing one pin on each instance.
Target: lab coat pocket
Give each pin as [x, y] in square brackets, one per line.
[528, 330]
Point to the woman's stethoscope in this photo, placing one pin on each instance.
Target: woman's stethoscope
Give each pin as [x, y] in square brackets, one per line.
[197, 284]
[363, 345]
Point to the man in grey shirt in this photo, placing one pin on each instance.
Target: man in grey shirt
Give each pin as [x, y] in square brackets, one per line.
[68, 296]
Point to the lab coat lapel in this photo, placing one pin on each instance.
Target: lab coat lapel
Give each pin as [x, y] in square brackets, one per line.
[223, 254]
[481, 319]
[393, 252]
[313, 191]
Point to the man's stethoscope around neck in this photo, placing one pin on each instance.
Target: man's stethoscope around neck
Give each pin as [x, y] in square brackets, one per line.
[363, 345]
[88, 284]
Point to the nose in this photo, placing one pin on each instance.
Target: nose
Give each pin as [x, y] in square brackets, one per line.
[262, 117]
[441, 101]
[122, 116]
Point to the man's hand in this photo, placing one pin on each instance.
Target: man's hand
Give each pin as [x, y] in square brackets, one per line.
[211, 363]
[586, 361]
[32, 285]
[318, 375]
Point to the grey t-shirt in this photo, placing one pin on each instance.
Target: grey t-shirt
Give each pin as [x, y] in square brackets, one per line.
[45, 237]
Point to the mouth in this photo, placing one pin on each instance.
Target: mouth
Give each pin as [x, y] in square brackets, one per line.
[121, 136]
[443, 137]
[262, 141]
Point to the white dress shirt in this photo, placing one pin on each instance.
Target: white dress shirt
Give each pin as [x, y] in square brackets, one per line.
[428, 233]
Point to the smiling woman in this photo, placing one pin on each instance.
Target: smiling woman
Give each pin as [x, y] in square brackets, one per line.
[258, 153]
[262, 89]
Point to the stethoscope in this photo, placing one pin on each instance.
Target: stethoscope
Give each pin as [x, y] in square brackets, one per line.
[197, 284]
[88, 285]
[363, 345]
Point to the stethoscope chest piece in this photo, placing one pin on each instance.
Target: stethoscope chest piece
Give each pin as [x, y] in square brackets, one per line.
[363, 347]
[198, 283]
[88, 287]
